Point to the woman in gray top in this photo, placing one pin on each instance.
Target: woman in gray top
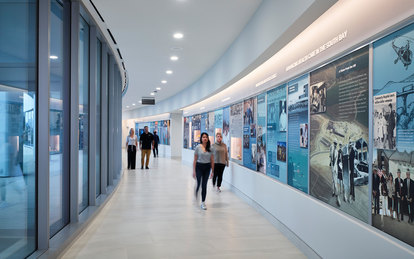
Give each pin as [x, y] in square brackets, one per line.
[203, 162]
[221, 159]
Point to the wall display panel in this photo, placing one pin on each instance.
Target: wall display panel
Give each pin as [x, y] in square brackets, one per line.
[276, 133]
[152, 127]
[261, 134]
[393, 154]
[339, 134]
[249, 133]
[204, 122]
[218, 121]
[226, 128]
[210, 126]
[186, 132]
[166, 132]
[236, 133]
[298, 126]
[195, 130]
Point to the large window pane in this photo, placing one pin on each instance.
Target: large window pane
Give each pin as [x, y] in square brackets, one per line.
[59, 175]
[83, 113]
[17, 128]
[98, 116]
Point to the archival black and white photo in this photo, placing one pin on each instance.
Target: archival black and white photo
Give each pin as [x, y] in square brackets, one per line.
[303, 135]
[318, 98]
[282, 115]
[385, 119]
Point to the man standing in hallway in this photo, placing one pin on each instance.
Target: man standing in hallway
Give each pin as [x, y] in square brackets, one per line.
[146, 143]
[408, 190]
[156, 141]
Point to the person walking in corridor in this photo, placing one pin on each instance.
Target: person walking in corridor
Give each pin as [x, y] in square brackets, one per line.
[202, 164]
[221, 160]
[146, 142]
[156, 142]
[131, 145]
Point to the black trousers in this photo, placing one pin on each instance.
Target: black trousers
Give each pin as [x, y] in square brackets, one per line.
[202, 173]
[376, 203]
[155, 148]
[218, 174]
[132, 155]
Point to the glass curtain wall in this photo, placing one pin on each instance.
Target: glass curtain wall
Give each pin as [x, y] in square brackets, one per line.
[83, 114]
[98, 115]
[107, 115]
[59, 175]
[18, 68]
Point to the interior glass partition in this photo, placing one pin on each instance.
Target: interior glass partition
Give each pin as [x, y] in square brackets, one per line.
[83, 113]
[18, 68]
[59, 175]
[98, 115]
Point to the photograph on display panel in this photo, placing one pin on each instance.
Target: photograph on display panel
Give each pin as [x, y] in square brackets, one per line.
[218, 122]
[226, 128]
[339, 134]
[261, 133]
[236, 132]
[186, 131]
[211, 127]
[393, 154]
[249, 133]
[195, 130]
[298, 133]
[276, 159]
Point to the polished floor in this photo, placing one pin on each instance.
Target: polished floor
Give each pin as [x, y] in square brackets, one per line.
[153, 214]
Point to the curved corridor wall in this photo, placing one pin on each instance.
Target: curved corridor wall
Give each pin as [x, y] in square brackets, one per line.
[329, 231]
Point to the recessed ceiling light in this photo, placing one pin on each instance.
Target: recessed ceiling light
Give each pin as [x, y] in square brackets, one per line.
[133, 104]
[152, 93]
[127, 106]
[140, 101]
[178, 35]
[158, 88]
[164, 81]
[174, 58]
[169, 72]
[53, 57]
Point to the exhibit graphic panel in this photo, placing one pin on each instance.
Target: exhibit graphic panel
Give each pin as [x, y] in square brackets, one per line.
[195, 131]
[236, 132]
[186, 132]
[298, 126]
[339, 134]
[204, 122]
[393, 154]
[276, 133]
[218, 122]
[261, 133]
[226, 128]
[210, 127]
[249, 133]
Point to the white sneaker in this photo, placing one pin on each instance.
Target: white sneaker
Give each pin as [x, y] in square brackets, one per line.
[218, 189]
[203, 206]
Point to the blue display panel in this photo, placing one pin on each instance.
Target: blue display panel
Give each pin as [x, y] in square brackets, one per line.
[187, 131]
[218, 121]
[226, 127]
[261, 133]
[339, 134]
[276, 133]
[195, 132]
[210, 126]
[298, 136]
[393, 124]
[249, 133]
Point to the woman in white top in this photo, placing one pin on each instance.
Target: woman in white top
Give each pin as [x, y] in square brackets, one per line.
[131, 145]
[202, 164]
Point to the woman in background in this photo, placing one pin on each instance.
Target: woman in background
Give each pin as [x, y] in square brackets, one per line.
[202, 164]
[131, 145]
[221, 159]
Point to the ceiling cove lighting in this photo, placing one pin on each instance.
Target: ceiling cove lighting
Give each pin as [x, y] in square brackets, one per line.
[174, 58]
[53, 57]
[226, 99]
[202, 108]
[178, 35]
[164, 81]
[169, 72]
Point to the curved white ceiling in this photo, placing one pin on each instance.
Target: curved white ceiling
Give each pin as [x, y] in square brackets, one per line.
[144, 31]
